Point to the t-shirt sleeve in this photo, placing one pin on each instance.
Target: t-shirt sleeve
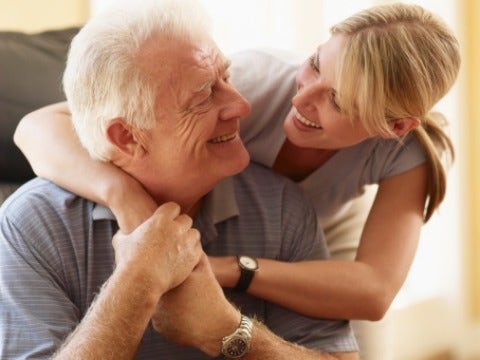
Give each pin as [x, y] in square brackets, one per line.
[35, 311]
[393, 158]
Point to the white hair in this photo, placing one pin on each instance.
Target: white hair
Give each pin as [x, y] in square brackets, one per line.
[103, 80]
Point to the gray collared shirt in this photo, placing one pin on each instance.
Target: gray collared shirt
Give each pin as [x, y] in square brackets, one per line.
[55, 253]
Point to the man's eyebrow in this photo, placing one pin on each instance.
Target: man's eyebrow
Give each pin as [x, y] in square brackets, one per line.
[206, 85]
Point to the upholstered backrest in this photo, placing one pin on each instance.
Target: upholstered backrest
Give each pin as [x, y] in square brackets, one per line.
[31, 68]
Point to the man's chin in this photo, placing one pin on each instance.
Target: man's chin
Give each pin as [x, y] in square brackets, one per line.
[237, 166]
[244, 162]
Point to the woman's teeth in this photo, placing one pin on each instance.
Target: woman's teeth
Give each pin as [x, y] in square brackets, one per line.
[223, 138]
[305, 121]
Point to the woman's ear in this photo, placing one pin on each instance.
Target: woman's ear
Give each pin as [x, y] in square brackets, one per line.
[121, 137]
[402, 126]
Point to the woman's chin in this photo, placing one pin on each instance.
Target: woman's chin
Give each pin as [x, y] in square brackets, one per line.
[301, 138]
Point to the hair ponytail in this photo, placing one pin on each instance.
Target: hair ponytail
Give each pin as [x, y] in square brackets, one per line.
[440, 154]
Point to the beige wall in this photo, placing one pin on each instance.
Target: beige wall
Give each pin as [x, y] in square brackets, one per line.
[37, 15]
[471, 61]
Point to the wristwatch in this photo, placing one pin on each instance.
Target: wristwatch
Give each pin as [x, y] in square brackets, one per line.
[236, 345]
[248, 266]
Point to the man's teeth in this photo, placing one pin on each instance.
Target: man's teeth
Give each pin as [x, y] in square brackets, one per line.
[223, 138]
[305, 121]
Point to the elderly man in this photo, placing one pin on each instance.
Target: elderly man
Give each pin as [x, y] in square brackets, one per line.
[149, 92]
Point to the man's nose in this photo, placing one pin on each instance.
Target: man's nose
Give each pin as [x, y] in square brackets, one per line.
[236, 105]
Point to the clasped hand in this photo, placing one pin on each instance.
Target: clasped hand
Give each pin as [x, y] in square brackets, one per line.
[165, 252]
[162, 251]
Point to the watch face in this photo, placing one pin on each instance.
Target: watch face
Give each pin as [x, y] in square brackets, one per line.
[236, 347]
[248, 262]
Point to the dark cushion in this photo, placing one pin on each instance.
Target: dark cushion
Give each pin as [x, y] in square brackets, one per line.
[31, 68]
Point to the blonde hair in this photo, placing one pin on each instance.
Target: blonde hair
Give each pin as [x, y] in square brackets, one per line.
[104, 79]
[399, 61]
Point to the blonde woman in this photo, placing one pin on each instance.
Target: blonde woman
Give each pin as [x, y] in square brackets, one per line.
[360, 114]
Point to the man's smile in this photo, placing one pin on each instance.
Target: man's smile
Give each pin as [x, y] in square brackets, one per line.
[223, 138]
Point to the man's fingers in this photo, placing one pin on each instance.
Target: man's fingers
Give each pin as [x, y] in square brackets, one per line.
[185, 222]
[169, 210]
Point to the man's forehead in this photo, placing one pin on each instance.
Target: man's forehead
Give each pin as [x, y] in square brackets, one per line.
[193, 57]
[209, 70]
[202, 66]
[189, 67]
[209, 58]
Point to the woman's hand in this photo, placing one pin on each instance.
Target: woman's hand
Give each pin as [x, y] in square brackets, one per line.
[130, 203]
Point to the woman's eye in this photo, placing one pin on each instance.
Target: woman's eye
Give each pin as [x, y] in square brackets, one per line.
[313, 63]
[334, 102]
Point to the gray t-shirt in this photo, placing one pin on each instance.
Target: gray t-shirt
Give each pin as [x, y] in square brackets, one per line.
[269, 85]
[56, 252]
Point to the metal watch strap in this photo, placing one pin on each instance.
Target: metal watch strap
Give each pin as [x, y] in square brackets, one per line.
[237, 344]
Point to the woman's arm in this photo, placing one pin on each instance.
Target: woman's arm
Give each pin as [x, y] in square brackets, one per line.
[48, 140]
[360, 289]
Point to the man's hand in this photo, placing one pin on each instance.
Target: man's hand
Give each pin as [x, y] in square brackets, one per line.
[162, 251]
[196, 313]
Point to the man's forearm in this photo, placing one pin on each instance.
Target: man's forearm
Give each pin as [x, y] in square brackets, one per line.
[115, 323]
[267, 346]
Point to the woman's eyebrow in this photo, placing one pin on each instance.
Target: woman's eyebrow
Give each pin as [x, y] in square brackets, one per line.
[319, 48]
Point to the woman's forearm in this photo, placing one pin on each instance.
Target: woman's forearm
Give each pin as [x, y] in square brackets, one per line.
[361, 289]
[323, 288]
[327, 289]
[47, 139]
[50, 144]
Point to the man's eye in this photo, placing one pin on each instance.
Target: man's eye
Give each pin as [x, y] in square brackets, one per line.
[207, 99]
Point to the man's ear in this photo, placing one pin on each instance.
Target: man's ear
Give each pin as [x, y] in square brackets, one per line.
[402, 126]
[121, 137]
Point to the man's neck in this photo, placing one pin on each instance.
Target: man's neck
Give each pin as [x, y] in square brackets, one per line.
[193, 210]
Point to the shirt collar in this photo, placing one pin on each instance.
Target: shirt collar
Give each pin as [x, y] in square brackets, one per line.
[219, 204]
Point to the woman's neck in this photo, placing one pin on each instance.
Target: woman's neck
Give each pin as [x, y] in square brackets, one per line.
[298, 163]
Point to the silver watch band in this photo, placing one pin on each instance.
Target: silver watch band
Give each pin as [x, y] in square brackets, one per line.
[237, 344]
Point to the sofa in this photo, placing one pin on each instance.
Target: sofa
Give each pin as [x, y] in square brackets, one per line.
[31, 68]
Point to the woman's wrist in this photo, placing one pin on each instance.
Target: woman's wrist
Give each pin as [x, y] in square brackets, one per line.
[128, 200]
[226, 270]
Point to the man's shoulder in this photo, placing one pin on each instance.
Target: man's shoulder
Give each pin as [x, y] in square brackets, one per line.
[263, 182]
[264, 175]
[38, 196]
